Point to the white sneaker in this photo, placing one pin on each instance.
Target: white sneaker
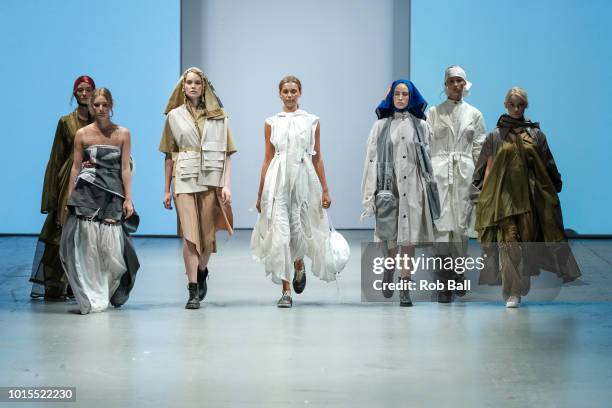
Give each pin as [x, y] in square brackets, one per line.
[513, 302]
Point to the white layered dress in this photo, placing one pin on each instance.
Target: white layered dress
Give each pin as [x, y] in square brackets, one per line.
[292, 223]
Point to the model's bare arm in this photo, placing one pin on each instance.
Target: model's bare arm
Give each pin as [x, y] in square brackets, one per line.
[269, 154]
[167, 179]
[126, 172]
[226, 192]
[317, 161]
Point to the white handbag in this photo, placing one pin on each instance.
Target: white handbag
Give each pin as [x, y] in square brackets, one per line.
[337, 252]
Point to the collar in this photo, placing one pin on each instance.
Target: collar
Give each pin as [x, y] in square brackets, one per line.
[298, 112]
[400, 115]
[451, 102]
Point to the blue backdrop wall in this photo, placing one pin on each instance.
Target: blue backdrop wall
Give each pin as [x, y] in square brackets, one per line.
[556, 49]
[131, 47]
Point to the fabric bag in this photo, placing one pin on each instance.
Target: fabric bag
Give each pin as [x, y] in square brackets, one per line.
[431, 186]
[386, 200]
[337, 252]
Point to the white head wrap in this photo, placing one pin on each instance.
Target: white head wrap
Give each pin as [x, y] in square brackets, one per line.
[457, 71]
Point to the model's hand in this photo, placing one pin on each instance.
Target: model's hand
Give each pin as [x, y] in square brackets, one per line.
[258, 204]
[168, 201]
[128, 208]
[326, 199]
[226, 196]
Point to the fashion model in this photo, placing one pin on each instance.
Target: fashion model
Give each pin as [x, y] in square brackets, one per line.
[48, 276]
[292, 196]
[394, 186]
[518, 213]
[198, 144]
[457, 133]
[96, 249]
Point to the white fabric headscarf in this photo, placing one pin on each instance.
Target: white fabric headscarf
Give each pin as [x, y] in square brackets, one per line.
[457, 71]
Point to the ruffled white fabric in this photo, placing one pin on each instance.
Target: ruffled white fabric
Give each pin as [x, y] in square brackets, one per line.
[292, 223]
[99, 264]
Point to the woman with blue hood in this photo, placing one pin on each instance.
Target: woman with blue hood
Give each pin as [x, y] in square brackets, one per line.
[396, 184]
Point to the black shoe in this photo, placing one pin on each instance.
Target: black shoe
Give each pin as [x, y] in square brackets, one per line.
[404, 294]
[202, 286]
[445, 296]
[193, 302]
[460, 280]
[54, 294]
[285, 301]
[299, 284]
[69, 293]
[387, 278]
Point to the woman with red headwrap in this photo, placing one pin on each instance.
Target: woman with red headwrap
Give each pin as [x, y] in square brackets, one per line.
[47, 273]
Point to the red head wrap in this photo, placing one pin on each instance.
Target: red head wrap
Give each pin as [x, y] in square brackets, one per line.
[83, 78]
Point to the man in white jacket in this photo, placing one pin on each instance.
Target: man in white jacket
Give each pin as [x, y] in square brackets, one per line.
[458, 131]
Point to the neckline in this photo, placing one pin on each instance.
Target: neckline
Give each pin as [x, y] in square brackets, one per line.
[452, 102]
[295, 112]
[102, 145]
[401, 115]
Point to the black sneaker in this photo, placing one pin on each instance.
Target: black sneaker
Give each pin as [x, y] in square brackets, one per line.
[202, 286]
[299, 280]
[69, 293]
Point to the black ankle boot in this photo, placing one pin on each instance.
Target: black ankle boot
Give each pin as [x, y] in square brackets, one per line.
[445, 296]
[404, 292]
[460, 280]
[387, 279]
[202, 286]
[193, 302]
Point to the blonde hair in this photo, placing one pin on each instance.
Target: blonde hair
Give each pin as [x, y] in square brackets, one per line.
[101, 92]
[196, 71]
[289, 79]
[519, 93]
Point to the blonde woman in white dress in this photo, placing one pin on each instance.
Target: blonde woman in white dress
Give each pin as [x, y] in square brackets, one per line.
[292, 196]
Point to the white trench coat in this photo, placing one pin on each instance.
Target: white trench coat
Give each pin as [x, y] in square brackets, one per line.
[458, 131]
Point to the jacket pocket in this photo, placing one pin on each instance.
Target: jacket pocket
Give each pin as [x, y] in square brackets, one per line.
[469, 133]
[188, 164]
[212, 160]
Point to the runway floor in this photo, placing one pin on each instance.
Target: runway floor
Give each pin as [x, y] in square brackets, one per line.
[330, 349]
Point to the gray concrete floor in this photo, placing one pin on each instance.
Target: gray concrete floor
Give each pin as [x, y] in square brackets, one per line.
[329, 350]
